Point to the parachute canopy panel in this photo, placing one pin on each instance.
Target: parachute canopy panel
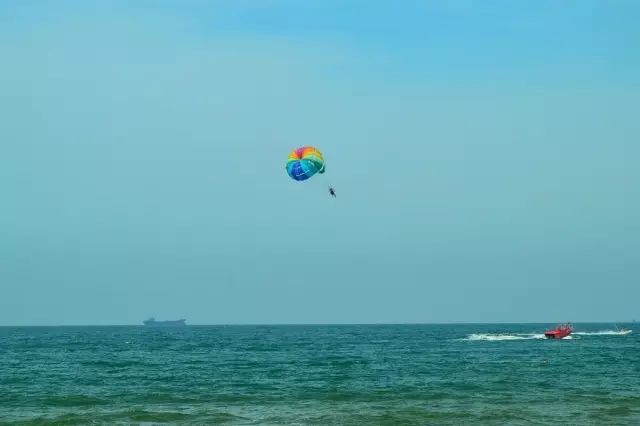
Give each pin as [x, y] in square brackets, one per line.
[305, 162]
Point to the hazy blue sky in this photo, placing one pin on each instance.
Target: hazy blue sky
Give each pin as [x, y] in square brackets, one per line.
[485, 155]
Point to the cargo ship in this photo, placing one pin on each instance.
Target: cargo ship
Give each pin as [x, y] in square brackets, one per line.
[151, 322]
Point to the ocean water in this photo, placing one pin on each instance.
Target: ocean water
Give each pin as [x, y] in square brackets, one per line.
[319, 375]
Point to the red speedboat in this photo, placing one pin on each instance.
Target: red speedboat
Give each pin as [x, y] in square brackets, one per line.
[559, 332]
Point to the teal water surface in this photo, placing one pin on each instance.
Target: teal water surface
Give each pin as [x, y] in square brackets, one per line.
[322, 375]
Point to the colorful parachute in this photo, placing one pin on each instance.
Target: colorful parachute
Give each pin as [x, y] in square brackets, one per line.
[305, 162]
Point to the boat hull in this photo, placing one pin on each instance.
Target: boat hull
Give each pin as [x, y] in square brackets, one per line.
[559, 332]
[553, 335]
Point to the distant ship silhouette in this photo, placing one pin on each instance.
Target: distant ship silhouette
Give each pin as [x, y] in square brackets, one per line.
[151, 322]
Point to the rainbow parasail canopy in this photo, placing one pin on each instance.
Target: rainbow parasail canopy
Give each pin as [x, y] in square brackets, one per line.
[305, 162]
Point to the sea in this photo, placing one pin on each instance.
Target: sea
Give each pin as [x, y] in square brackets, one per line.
[479, 374]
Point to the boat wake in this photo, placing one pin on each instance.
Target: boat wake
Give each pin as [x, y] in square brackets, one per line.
[603, 333]
[500, 337]
[496, 337]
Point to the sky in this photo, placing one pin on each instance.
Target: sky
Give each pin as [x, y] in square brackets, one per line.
[484, 154]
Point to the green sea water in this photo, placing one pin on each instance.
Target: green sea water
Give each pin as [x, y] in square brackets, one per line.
[319, 375]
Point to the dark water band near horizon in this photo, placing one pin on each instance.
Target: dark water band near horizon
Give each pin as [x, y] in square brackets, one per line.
[320, 375]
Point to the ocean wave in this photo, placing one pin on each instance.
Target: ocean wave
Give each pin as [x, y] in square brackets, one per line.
[499, 337]
[603, 333]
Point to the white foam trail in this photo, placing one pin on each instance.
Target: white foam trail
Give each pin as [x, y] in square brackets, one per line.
[499, 337]
[603, 333]
[495, 337]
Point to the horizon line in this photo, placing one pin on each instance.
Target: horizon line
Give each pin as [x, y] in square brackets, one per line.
[319, 324]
